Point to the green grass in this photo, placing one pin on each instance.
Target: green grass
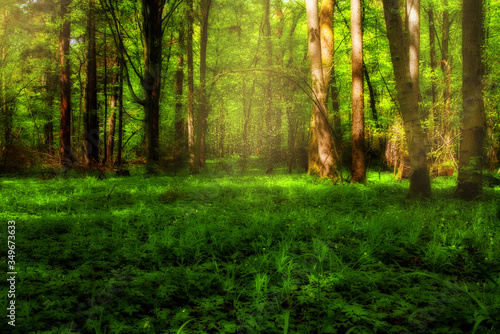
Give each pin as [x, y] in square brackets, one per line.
[229, 253]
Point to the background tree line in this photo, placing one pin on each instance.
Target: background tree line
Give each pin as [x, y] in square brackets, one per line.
[322, 87]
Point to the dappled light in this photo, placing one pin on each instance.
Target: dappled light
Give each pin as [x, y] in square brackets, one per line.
[250, 166]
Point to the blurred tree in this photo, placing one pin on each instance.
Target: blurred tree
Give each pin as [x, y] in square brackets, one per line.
[470, 164]
[91, 120]
[65, 77]
[407, 98]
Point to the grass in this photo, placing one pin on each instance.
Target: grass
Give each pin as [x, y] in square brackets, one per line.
[229, 253]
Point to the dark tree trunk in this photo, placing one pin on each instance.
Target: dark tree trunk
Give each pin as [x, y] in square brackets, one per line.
[51, 82]
[65, 78]
[91, 121]
[119, 158]
[105, 92]
[373, 97]
[6, 112]
[152, 30]
[470, 162]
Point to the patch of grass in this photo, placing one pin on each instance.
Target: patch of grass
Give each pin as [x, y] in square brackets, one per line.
[245, 253]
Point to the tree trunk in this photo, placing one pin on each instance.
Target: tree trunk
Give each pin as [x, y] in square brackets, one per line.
[373, 97]
[222, 128]
[49, 126]
[358, 119]
[91, 122]
[201, 124]
[470, 162]
[112, 116]
[320, 111]
[152, 31]
[190, 106]
[179, 120]
[119, 158]
[334, 92]
[413, 40]
[327, 53]
[65, 78]
[432, 46]
[6, 112]
[271, 149]
[408, 101]
[446, 116]
[247, 108]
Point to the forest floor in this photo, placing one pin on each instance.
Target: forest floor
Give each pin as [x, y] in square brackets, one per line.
[222, 252]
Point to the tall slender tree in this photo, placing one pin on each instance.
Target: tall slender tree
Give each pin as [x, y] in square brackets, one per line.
[65, 78]
[327, 53]
[203, 107]
[320, 110]
[473, 117]
[91, 120]
[358, 119]
[119, 158]
[446, 113]
[152, 31]
[4, 105]
[271, 150]
[408, 101]
[179, 81]
[115, 90]
[190, 80]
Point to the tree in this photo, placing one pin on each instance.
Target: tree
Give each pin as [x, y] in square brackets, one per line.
[358, 123]
[65, 78]
[271, 150]
[327, 53]
[473, 117]
[446, 114]
[322, 129]
[408, 100]
[413, 40]
[6, 114]
[112, 116]
[119, 159]
[203, 107]
[152, 32]
[153, 23]
[190, 80]
[91, 120]
[179, 81]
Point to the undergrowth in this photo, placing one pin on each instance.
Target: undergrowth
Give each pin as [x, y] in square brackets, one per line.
[244, 253]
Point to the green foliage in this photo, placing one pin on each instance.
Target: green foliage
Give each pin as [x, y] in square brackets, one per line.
[261, 254]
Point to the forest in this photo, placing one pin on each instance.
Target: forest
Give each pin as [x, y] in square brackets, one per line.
[250, 166]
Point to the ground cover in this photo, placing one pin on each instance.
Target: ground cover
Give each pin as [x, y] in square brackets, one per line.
[225, 252]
